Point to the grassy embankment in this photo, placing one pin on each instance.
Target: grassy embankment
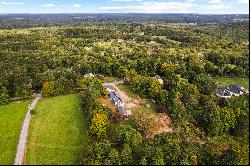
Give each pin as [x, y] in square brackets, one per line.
[11, 120]
[57, 132]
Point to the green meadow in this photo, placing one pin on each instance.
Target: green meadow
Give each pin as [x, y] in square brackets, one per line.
[11, 120]
[57, 132]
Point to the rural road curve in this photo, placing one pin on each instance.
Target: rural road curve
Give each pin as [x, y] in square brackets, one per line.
[23, 136]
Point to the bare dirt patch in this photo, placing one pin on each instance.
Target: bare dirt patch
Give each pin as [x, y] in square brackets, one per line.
[107, 103]
[151, 123]
[164, 122]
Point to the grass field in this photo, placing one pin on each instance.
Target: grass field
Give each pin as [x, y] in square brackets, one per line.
[57, 132]
[11, 120]
[244, 82]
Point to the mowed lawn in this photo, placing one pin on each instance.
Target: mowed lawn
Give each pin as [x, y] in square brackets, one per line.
[11, 120]
[57, 132]
[244, 82]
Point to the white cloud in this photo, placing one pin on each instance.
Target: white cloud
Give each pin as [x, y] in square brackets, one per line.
[215, 7]
[153, 7]
[77, 5]
[215, 1]
[11, 3]
[243, 1]
[49, 5]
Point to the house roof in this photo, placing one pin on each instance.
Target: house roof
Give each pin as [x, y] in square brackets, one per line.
[114, 98]
[224, 93]
[235, 89]
[112, 94]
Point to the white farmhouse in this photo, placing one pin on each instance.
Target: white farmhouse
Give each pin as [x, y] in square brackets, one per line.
[159, 79]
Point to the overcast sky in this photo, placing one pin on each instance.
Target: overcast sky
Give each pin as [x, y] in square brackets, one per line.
[124, 6]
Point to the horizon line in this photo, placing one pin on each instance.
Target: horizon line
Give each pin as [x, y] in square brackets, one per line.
[134, 13]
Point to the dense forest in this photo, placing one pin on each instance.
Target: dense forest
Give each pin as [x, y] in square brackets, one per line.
[51, 55]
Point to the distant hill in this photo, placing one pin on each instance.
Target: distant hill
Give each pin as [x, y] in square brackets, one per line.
[10, 21]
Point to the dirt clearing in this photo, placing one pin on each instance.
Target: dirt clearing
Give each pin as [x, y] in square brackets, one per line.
[129, 103]
[107, 103]
[164, 122]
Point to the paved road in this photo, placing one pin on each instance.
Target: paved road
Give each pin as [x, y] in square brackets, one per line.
[20, 153]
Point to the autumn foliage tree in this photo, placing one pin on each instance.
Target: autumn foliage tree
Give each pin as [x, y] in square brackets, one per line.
[99, 124]
[48, 89]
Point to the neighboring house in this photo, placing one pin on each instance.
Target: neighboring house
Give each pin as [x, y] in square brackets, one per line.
[89, 75]
[120, 40]
[224, 94]
[159, 79]
[235, 90]
[141, 34]
[246, 91]
[88, 48]
[152, 42]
